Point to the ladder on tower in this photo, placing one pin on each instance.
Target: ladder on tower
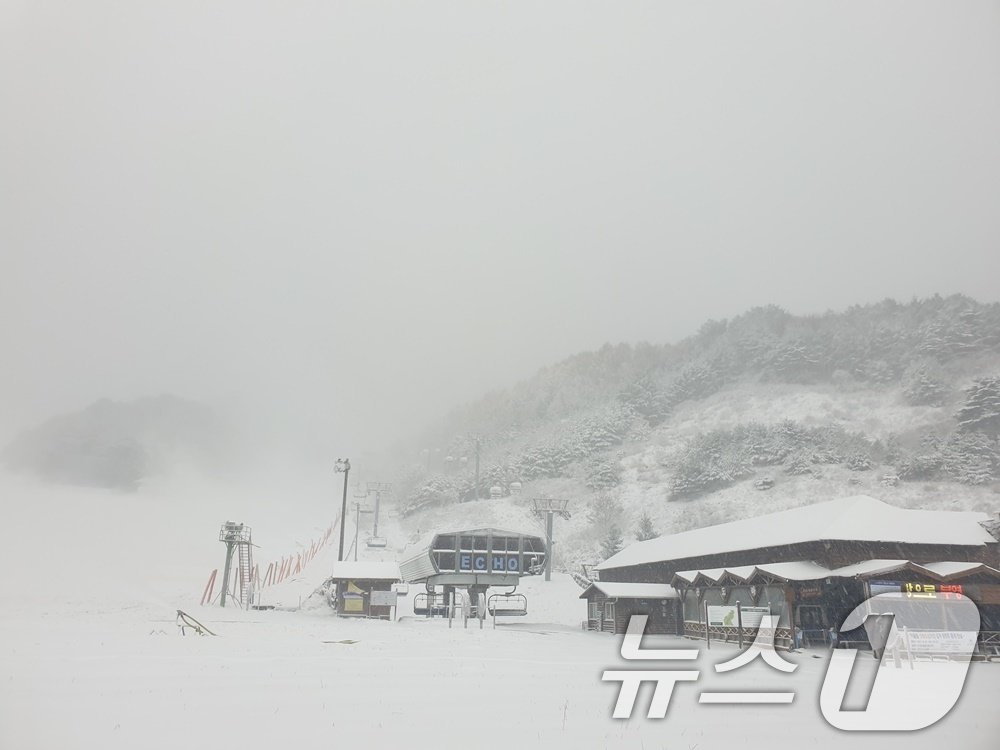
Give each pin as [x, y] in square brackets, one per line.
[244, 571]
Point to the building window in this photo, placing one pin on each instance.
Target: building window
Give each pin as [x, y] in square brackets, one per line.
[595, 610]
[609, 611]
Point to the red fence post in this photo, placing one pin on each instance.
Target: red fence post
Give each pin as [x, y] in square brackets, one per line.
[209, 587]
[269, 574]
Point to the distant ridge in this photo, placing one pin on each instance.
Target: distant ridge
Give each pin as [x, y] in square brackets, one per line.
[117, 444]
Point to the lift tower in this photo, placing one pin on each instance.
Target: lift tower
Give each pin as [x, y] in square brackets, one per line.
[549, 507]
[238, 541]
[379, 489]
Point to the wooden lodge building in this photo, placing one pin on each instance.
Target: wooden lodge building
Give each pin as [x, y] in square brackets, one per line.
[611, 603]
[810, 565]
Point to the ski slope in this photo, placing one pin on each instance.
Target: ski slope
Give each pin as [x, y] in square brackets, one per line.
[90, 656]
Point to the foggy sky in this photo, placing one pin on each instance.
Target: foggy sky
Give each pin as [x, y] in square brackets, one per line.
[352, 217]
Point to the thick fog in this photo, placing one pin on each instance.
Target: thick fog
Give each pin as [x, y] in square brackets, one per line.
[342, 219]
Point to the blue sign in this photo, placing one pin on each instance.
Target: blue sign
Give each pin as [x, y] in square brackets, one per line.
[477, 563]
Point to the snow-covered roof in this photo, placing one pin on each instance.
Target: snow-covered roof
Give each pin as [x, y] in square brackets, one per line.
[742, 572]
[805, 570]
[714, 574]
[870, 567]
[948, 569]
[800, 570]
[858, 518]
[687, 575]
[360, 570]
[616, 590]
[943, 570]
[481, 531]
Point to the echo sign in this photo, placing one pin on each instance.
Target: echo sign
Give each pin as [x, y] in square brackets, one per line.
[479, 562]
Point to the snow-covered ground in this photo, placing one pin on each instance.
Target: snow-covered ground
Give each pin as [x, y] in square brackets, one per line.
[90, 655]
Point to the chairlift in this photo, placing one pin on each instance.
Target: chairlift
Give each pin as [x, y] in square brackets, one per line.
[430, 604]
[507, 605]
[376, 542]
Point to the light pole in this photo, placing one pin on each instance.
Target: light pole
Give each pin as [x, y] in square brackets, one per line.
[478, 442]
[342, 465]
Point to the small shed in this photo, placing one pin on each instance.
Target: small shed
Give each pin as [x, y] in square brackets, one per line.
[364, 588]
[610, 604]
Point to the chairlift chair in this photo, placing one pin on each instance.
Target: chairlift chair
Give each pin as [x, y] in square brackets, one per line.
[433, 604]
[507, 605]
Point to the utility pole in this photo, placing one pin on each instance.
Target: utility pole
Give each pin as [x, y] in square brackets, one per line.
[478, 443]
[357, 524]
[548, 507]
[343, 465]
[548, 546]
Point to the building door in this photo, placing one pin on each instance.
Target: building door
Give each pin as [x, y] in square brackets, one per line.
[810, 618]
[594, 616]
[609, 616]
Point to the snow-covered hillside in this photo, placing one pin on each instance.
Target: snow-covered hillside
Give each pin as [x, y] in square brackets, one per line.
[646, 470]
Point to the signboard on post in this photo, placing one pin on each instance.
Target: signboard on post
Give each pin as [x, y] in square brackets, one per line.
[941, 642]
[383, 598]
[753, 615]
[724, 616]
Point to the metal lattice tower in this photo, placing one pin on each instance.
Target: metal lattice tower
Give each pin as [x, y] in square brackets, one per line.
[237, 539]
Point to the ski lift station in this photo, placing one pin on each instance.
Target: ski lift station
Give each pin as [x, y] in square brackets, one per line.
[474, 560]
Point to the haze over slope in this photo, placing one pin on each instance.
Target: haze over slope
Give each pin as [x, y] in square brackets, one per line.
[766, 411]
[118, 445]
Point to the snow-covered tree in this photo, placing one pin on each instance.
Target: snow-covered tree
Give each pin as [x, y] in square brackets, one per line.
[645, 530]
[799, 463]
[970, 458]
[603, 475]
[696, 380]
[923, 385]
[647, 399]
[859, 462]
[612, 543]
[605, 511]
[966, 457]
[981, 411]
